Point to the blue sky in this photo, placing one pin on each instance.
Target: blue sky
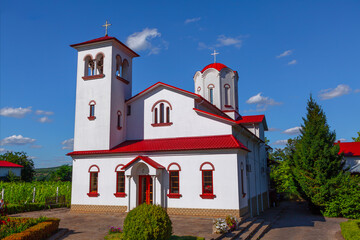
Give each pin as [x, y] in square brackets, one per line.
[282, 50]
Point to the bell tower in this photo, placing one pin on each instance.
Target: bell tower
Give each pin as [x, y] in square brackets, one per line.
[104, 82]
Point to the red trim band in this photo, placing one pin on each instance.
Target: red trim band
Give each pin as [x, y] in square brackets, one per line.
[174, 195]
[161, 124]
[93, 77]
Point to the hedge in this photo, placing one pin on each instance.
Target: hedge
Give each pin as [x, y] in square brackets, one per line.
[40, 231]
[19, 208]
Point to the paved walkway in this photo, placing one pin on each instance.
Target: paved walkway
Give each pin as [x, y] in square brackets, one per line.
[297, 223]
[84, 226]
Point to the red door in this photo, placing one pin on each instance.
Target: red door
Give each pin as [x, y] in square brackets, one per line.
[145, 189]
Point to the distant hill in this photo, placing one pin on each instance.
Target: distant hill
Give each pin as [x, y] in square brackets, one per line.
[42, 174]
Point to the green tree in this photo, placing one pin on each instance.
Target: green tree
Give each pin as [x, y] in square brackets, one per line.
[316, 165]
[27, 173]
[63, 173]
[280, 174]
[11, 177]
[356, 139]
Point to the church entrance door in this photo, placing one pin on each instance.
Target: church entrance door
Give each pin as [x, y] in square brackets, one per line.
[145, 189]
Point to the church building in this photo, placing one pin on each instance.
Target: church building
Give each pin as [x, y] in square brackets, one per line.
[190, 152]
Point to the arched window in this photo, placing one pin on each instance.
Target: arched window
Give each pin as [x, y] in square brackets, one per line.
[120, 181]
[227, 95]
[92, 104]
[174, 180]
[93, 187]
[198, 90]
[242, 179]
[211, 93]
[118, 122]
[125, 70]
[207, 170]
[118, 66]
[99, 63]
[89, 66]
[161, 113]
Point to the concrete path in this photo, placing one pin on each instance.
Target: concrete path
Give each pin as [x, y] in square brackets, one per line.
[84, 226]
[297, 223]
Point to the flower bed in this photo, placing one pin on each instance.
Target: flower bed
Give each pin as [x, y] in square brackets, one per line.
[12, 228]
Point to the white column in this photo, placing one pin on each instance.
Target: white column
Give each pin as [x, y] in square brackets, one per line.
[154, 184]
[129, 190]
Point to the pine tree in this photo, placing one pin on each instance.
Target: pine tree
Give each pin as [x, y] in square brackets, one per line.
[315, 162]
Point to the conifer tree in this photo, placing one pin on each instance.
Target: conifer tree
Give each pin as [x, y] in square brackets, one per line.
[315, 162]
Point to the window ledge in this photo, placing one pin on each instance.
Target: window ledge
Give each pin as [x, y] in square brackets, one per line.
[207, 196]
[161, 124]
[93, 77]
[228, 106]
[93, 194]
[174, 195]
[122, 79]
[119, 128]
[120, 194]
[91, 118]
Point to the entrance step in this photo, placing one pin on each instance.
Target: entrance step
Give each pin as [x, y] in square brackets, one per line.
[264, 228]
[249, 232]
[242, 226]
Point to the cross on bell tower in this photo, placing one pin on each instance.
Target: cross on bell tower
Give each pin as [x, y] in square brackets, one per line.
[106, 25]
[214, 54]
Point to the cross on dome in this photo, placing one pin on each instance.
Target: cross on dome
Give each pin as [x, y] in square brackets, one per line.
[214, 54]
[106, 25]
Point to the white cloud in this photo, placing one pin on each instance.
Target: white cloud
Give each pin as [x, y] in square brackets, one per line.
[228, 41]
[190, 20]
[293, 131]
[41, 112]
[262, 102]
[274, 129]
[15, 112]
[68, 144]
[36, 146]
[280, 142]
[356, 90]
[293, 62]
[44, 119]
[330, 93]
[2, 150]
[341, 140]
[17, 140]
[285, 53]
[141, 40]
[32, 157]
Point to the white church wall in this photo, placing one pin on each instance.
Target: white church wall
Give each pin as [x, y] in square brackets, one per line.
[185, 121]
[211, 77]
[225, 180]
[93, 134]
[227, 76]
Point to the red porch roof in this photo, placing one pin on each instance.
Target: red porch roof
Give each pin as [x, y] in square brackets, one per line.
[350, 149]
[9, 164]
[145, 159]
[171, 144]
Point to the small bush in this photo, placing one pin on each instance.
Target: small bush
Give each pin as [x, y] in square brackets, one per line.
[19, 208]
[147, 222]
[351, 229]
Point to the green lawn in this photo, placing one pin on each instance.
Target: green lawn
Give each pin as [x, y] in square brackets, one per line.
[351, 229]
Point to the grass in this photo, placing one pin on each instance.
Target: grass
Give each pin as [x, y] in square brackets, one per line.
[351, 229]
[118, 236]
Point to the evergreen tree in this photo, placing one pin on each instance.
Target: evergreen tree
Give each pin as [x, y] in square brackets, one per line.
[315, 162]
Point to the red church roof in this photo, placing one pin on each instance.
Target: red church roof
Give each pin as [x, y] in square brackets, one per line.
[9, 164]
[350, 149]
[145, 159]
[217, 66]
[101, 39]
[171, 144]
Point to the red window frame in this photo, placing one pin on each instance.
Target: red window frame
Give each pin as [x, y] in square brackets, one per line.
[118, 124]
[93, 193]
[92, 104]
[208, 190]
[119, 193]
[172, 194]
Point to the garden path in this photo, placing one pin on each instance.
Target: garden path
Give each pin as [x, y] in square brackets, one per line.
[83, 226]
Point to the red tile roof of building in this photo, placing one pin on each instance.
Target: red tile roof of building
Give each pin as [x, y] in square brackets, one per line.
[171, 144]
[145, 159]
[9, 164]
[350, 149]
[217, 66]
[253, 119]
[101, 39]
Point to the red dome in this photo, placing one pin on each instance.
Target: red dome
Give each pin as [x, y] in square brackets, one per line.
[217, 66]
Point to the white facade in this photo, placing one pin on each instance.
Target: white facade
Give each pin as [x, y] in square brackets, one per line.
[126, 148]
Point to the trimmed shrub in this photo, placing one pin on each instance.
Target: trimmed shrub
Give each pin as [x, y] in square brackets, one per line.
[351, 229]
[40, 231]
[147, 222]
[19, 208]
